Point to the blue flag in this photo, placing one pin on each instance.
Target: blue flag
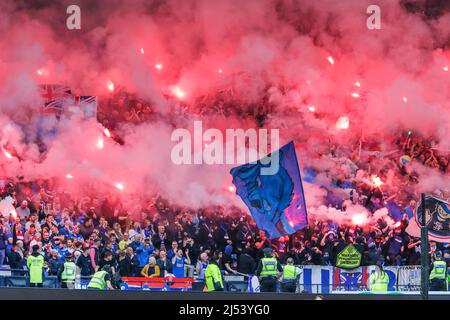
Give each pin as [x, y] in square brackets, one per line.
[276, 202]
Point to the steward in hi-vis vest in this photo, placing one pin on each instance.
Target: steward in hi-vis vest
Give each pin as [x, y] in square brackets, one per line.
[269, 269]
[379, 279]
[101, 280]
[290, 277]
[438, 273]
[67, 272]
[35, 264]
[213, 276]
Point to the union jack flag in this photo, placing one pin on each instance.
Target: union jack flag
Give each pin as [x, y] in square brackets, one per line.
[55, 97]
[82, 100]
[350, 281]
[87, 105]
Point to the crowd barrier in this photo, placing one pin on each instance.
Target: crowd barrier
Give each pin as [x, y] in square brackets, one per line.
[328, 279]
[312, 279]
[157, 284]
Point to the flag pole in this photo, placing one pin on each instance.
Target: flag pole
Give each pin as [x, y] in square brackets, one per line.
[424, 251]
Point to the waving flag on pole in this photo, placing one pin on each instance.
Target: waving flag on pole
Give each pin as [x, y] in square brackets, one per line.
[55, 96]
[86, 105]
[276, 201]
[437, 218]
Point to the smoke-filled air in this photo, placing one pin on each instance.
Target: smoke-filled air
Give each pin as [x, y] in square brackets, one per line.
[368, 110]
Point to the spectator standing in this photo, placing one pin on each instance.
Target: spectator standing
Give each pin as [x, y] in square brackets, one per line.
[54, 262]
[23, 211]
[84, 263]
[246, 263]
[2, 244]
[414, 250]
[94, 254]
[108, 259]
[201, 266]
[29, 234]
[125, 268]
[33, 220]
[143, 251]
[164, 263]
[133, 261]
[161, 237]
[394, 248]
[124, 242]
[372, 256]
[16, 258]
[179, 262]
[173, 250]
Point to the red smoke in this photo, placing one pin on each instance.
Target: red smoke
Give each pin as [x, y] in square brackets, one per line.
[314, 66]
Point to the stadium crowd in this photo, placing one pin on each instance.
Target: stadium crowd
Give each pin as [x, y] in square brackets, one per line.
[167, 239]
[158, 238]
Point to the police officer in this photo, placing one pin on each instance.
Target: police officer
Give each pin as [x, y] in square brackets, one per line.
[438, 273]
[213, 276]
[268, 271]
[35, 264]
[379, 279]
[101, 279]
[67, 272]
[290, 276]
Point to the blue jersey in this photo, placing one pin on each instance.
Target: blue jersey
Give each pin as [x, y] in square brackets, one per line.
[201, 274]
[178, 267]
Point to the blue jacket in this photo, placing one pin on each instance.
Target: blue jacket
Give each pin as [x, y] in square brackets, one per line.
[143, 254]
[2, 239]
